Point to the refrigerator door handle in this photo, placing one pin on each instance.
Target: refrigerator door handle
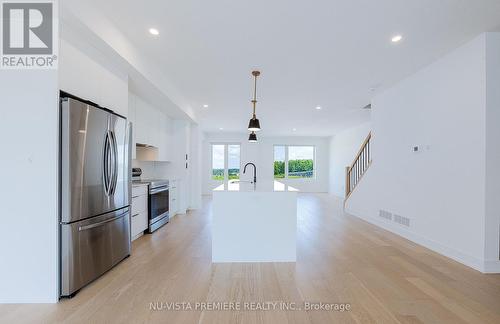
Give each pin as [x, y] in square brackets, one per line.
[105, 164]
[106, 167]
[114, 174]
[87, 227]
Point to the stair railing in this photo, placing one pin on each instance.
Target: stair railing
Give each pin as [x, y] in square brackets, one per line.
[357, 169]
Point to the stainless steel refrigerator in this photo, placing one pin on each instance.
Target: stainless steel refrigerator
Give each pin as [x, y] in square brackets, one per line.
[94, 192]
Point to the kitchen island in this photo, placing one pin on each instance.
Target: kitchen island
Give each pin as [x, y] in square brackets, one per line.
[254, 222]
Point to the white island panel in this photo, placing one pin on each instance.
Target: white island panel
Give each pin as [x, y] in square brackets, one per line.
[254, 224]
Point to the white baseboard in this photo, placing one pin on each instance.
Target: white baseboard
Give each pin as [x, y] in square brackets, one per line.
[54, 300]
[463, 258]
[491, 266]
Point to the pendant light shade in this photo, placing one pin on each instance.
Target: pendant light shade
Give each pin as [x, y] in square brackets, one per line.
[252, 137]
[254, 125]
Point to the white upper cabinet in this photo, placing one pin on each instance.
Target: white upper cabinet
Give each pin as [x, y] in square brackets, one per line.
[153, 132]
[150, 127]
[165, 140]
[82, 75]
[144, 115]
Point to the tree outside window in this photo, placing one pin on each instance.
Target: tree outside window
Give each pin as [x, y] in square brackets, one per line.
[225, 162]
[293, 162]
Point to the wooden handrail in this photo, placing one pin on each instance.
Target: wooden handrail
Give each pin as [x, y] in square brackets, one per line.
[358, 167]
[365, 142]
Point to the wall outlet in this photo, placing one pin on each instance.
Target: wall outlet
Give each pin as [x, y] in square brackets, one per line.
[420, 148]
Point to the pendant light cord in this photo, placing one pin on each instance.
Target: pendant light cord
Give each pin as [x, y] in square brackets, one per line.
[254, 101]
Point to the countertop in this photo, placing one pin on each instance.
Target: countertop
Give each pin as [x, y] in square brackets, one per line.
[260, 186]
[139, 184]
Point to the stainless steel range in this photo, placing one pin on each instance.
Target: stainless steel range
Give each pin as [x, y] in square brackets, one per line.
[158, 208]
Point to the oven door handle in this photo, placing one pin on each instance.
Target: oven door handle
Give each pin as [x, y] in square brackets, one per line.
[155, 191]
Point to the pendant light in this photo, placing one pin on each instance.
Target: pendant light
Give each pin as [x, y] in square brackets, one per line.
[254, 124]
[252, 137]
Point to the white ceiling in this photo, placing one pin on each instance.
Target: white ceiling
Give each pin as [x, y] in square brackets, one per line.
[328, 53]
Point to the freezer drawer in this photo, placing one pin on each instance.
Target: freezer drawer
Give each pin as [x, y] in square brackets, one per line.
[91, 247]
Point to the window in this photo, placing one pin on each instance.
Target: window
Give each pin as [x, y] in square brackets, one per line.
[279, 162]
[225, 162]
[233, 162]
[300, 161]
[218, 162]
[293, 162]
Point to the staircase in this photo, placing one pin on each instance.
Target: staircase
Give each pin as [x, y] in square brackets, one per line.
[357, 169]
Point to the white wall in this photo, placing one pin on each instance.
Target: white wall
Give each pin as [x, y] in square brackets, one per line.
[442, 188]
[182, 144]
[195, 159]
[28, 219]
[85, 73]
[262, 154]
[343, 149]
[492, 221]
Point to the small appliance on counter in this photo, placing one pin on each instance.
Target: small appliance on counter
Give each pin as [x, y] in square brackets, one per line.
[136, 174]
[158, 198]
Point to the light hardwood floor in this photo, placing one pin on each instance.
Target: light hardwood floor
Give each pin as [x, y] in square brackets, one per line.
[341, 259]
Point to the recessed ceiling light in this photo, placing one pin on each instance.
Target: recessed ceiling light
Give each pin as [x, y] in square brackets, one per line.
[154, 31]
[205, 106]
[220, 128]
[294, 129]
[396, 38]
[318, 107]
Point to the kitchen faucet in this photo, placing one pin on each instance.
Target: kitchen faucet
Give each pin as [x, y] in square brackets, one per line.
[254, 171]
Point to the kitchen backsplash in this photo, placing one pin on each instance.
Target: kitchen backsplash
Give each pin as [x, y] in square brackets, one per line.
[154, 170]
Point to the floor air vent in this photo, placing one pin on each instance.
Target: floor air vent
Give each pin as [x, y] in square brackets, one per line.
[405, 221]
[402, 220]
[385, 214]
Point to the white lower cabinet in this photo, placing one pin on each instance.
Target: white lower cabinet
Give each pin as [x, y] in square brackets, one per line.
[173, 198]
[139, 209]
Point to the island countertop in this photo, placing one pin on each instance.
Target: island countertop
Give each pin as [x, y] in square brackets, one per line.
[260, 186]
